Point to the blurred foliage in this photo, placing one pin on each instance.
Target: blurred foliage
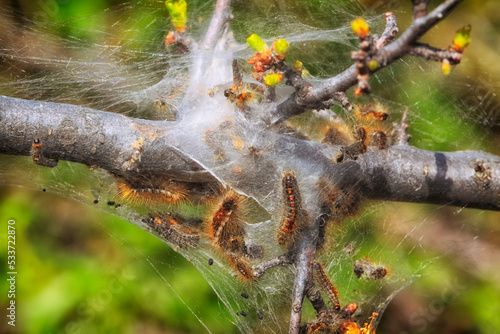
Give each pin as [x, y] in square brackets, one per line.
[81, 271]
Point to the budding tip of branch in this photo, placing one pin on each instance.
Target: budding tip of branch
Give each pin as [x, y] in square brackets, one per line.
[360, 28]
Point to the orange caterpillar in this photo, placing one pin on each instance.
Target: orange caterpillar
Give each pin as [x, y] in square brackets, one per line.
[341, 202]
[369, 269]
[373, 118]
[38, 157]
[352, 327]
[152, 191]
[173, 229]
[226, 230]
[370, 128]
[240, 93]
[337, 319]
[294, 216]
[325, 285]
[243, 267]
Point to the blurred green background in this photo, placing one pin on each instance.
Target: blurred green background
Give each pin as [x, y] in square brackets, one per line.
[84, 271]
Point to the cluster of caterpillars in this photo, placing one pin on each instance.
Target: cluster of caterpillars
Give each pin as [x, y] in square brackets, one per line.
[369, 270]
[335, 319]
[337, 203]
[224, 225]
[370, 128]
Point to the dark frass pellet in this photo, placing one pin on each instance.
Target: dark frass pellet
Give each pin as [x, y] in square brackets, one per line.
[244, 295]
[210, 261]
[96, 201]
[111, 203]
[260, 315]
[243, 313]
[44, 190]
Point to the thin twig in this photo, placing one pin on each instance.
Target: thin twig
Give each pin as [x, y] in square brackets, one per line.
[281, 260]
[390, 31]
[306, 251]
[296, 104]
[431, 53]
[401, 129]
[221, 18]
[341, 98]
[295, 79]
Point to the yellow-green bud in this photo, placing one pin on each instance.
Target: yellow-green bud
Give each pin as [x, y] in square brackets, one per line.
[256, 43]
[281, 47]
[273, 79]
[178, 13]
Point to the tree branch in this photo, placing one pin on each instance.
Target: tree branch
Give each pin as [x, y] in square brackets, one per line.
[431, 53]
[420, 8]
[401, 173]
[281, 260]
[306, 251]
[78, 134]
[296, 104]
[390, 31]
[408, 174]
[222, 16]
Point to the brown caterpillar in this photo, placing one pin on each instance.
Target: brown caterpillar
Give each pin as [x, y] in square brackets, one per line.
[340, 202]
[368, 128]
[152, 191]
[243, 267]
[351, 152]
[173, 229]
[373, 118]
[226, 230]
[294, 216]
[369, 269]
[325, 285]
[370, 112]
[337, 135]
[379, 139]
[226, 227]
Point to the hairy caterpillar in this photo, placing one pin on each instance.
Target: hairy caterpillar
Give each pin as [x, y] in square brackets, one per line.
[339, 201]
[152, 191]
[38, 157]
[294, 217]
[325, 285]
[243, 267]
[226, 227]
[369, 269]
[173, 229]
[369, 128]
[226, 230]
[351, 152]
